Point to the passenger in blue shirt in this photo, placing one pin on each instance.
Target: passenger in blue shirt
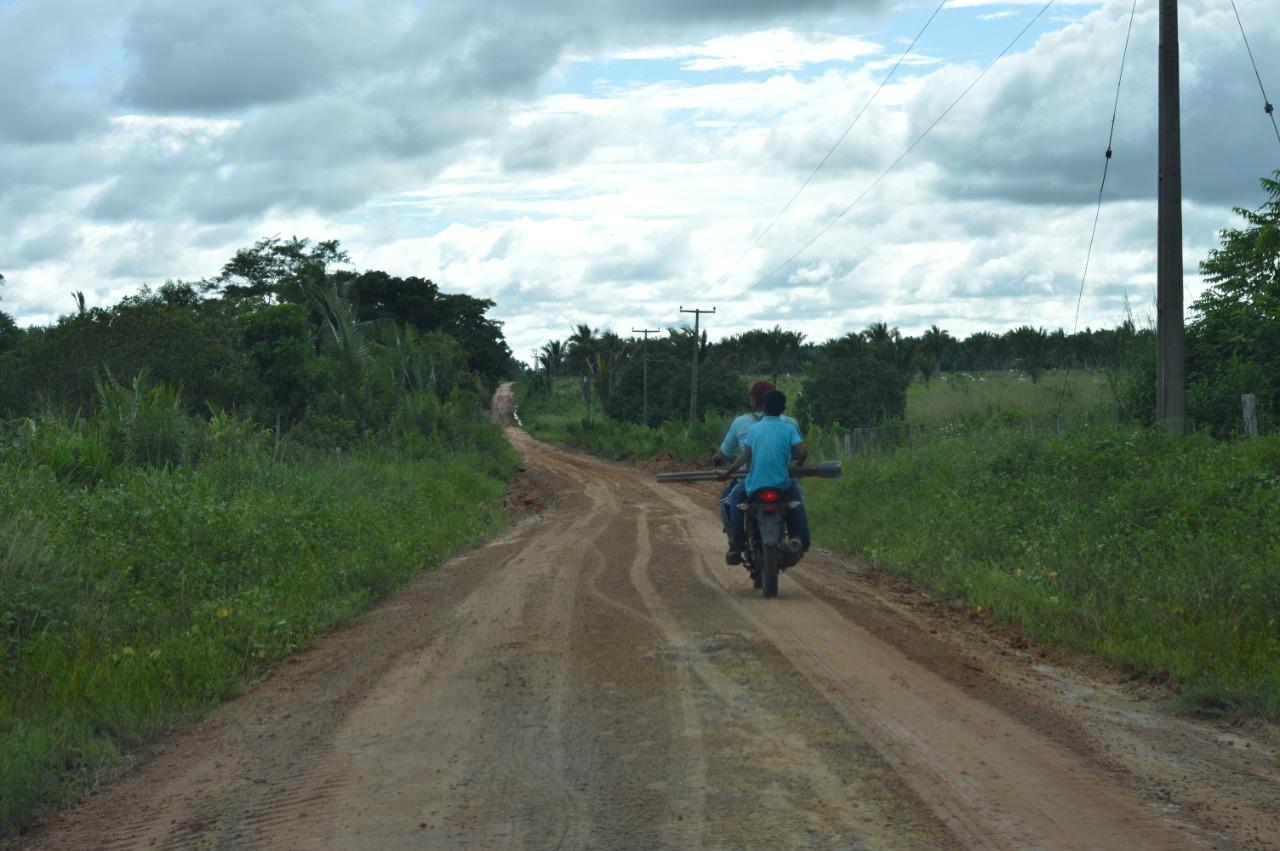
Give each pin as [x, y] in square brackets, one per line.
[769, 447]
[731, 448]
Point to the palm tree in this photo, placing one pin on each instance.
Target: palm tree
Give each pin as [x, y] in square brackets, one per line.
[780, 349]
[1032, 348]
[553, 357]
[583, 357]
[934, 343]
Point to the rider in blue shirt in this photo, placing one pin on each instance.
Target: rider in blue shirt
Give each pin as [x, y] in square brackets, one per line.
[730, 448]
[769, 447]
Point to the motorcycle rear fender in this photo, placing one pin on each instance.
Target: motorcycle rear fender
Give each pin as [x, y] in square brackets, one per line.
[770, 525]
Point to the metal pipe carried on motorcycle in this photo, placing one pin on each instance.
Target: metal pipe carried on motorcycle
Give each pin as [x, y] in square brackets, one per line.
[825, 470]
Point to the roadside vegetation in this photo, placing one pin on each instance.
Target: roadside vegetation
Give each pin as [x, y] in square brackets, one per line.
[203, 478]
[1021, 472]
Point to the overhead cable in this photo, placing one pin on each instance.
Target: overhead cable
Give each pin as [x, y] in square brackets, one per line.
[1267, 107]
[901, 156]
[1097, 214]
[837, 143]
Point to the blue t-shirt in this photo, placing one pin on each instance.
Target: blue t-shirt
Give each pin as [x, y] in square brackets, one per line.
[735, 438]
[771, 441]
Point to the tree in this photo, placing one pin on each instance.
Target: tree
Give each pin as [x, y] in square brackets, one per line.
[269, 269]
[1233, 340]
[780, 349]
[720, 387]
[854, 391]
[10, 333]
[277, 345]
[581, 357]
[1032, 347]
[935, 343]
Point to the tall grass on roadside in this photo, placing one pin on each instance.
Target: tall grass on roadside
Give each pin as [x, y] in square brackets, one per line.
[133, 596]
[1158, 552]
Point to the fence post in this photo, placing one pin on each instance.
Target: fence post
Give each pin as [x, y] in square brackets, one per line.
[1250, 403]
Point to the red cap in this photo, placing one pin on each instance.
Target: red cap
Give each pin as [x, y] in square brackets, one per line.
[760, 388]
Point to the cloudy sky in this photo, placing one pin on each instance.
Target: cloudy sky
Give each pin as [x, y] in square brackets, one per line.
[605, 161]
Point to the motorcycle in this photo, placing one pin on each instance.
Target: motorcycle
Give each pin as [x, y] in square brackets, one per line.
[770, 550]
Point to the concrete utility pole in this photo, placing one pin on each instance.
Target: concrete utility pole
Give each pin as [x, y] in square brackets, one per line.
[644, 359]
[1171, 381]
[693, 389]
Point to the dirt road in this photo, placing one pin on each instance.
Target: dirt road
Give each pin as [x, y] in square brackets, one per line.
[598, 678]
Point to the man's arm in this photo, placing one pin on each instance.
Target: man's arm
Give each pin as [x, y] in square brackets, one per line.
[726, 453]
[744, 458]
[800, 452]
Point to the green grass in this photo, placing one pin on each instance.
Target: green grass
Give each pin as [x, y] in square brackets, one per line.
[1156, 552]
[984, 395]
[136, 603]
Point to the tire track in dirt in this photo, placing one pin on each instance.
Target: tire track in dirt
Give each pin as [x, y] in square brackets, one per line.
[596, 678]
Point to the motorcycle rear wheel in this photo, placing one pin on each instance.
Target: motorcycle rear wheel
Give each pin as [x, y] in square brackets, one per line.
[768, 567]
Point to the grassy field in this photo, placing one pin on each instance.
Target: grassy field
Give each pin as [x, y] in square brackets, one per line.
[1154, 551]
[984, 395]
[134, 603]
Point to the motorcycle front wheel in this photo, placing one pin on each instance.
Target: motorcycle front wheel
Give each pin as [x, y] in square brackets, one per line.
[768, 567]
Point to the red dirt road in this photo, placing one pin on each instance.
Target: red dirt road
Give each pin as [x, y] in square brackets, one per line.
[598, 678]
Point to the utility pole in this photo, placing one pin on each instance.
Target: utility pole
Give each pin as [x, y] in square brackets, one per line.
[1171, 381]
[533, 364]
[693, 389]
[644, 359]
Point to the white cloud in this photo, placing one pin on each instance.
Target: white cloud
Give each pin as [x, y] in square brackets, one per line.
[610, 202]
[767, 50]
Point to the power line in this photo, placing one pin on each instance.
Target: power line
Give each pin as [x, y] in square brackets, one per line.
[837, 144]
[902, 156]
[1097, 214]
[1268, 108]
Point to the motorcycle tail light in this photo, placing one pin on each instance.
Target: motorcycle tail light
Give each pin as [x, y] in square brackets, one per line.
[768, 495]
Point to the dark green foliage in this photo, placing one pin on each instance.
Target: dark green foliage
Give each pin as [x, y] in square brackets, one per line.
[720, 390]
[10, 333]
[180, 344]
[271, 268]
[1233, 342]
[853, 391]
[1032, 347]
[277, 347]
[284, 339]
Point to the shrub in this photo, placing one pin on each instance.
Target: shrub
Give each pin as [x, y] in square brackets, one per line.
[853, 391]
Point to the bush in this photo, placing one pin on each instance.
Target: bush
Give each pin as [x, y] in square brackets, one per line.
[855, 391]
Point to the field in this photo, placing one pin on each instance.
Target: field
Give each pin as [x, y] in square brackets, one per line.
[983, 395]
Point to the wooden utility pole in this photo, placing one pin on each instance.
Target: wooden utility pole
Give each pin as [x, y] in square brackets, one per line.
[1171, 382]
[644, 359]
[693, 388]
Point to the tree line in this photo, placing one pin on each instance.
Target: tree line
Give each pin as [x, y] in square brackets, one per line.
[282, 334]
